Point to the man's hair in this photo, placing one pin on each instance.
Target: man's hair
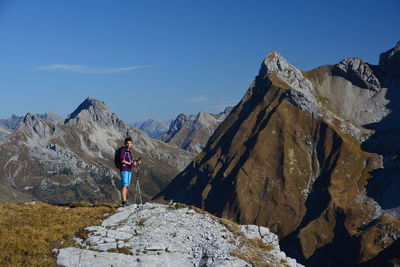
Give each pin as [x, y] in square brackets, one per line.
[128, 139]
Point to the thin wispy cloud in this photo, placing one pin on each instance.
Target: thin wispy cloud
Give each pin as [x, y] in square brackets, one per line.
[88, 69]
[197, 100]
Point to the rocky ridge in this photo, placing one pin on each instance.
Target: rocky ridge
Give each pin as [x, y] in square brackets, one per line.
[191, 132]
[7, 126]
[312, 156]
[14, 121]
[173, 235]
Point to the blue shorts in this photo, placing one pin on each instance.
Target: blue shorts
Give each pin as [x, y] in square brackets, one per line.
[126, 178]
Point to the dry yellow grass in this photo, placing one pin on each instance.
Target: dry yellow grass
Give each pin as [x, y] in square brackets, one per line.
[28, 233]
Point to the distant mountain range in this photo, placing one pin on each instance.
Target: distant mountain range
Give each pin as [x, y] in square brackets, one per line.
[153, 127]
[189, 132]
[11, 124]
[72, 159]
[68, 157]
[14, 121]
[314, 156]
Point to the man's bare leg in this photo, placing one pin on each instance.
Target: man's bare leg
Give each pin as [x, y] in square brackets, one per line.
[124, 193]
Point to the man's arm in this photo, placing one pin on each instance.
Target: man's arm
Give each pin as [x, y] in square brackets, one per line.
[122, 157]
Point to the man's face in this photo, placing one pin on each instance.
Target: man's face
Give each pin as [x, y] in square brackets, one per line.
[128, 144]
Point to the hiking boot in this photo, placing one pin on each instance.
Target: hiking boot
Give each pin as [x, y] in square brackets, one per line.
[125, 203]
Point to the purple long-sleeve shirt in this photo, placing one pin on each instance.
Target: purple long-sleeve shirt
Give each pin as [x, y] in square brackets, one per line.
[126, 155]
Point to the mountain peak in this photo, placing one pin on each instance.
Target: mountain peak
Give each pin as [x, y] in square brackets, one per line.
[30, 119]
[356, 68]
[93, 110]
[91, 102]
[390, 60]
[300, 90]
[275, 64]
[33, 125]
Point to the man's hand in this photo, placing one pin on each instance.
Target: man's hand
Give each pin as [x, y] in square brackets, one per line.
[136, 162]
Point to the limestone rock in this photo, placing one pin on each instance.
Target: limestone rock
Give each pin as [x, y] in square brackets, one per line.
[357, 69]
[169, 236]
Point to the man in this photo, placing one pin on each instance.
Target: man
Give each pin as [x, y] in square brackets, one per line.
[127, 161]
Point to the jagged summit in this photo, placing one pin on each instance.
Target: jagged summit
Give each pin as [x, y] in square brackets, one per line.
[338, 90]
[274, 63]
[34, 126]
[12, 124]
[358, 69]
[300, 90]
[90, 105]
[390, 60]
[94, 110]
[30, 119]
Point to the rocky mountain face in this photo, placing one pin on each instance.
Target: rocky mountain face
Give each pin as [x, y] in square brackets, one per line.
[11, 124]
[73, 160]
[314, 156]
[154, 128]
[173, 235]
[191, 132]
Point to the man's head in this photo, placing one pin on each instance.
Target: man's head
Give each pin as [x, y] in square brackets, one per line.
[128, 142]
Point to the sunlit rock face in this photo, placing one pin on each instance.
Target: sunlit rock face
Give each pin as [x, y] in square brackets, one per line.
[314, 156]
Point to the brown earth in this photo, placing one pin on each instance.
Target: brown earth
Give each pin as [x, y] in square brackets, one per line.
[272, 164]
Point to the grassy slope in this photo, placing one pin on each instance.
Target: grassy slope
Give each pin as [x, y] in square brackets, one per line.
[28, 233]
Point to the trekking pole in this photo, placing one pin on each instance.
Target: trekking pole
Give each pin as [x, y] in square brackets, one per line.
[137, 189]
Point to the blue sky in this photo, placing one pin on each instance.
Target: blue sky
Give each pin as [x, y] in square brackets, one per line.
[156, 59]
